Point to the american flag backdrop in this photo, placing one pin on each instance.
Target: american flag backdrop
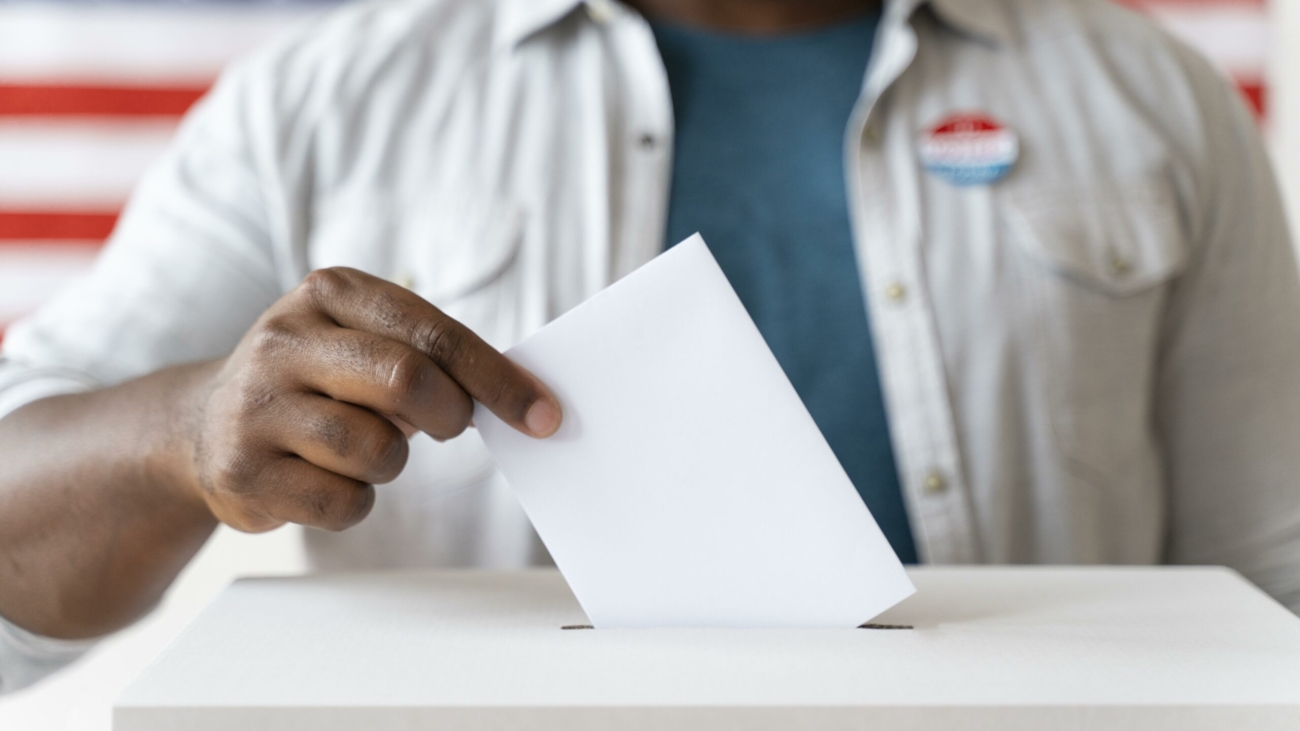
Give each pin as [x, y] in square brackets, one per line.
[91, 92]
[90, 95]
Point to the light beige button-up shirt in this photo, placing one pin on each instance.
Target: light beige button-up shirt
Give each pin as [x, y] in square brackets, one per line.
[1093, 360]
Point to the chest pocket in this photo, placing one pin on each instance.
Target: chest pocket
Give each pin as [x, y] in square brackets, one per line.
[1094, 264]
[1117, 240]
[459, 252]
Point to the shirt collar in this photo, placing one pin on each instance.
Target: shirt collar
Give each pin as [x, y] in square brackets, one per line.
[986, 19]
[520, 19]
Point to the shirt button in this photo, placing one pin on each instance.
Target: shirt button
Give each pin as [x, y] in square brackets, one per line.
[872, 129]
[934, 483]
[1120, 266]
[600, 11]
[896, 293]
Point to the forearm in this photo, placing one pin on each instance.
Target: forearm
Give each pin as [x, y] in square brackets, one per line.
[105, 496]
[98, 507]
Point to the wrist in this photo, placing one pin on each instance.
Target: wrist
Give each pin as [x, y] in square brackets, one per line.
[173, 435]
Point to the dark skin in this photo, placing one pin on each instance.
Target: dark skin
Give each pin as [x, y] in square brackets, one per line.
[106, 496]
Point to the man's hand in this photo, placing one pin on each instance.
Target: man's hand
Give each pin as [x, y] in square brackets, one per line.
[302, 419]
[108, 494]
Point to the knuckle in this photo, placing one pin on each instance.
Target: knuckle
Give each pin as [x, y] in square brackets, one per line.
[325, 284]
[376, 453]
[408, 378]
[255, 398]
[250, 521]
[323, 513]
[276, 335]
[331, 431]
[452, 413]
[442, 340]
[383, 455]
[237, 467]
[340, 511]
[360, 506]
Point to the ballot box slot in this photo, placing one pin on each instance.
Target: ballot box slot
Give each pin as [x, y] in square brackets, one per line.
[868, 625]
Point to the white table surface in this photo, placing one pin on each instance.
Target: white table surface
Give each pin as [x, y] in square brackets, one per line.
[1004, 648]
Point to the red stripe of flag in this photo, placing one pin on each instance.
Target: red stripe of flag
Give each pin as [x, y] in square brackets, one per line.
[81, 100]
[56, 225]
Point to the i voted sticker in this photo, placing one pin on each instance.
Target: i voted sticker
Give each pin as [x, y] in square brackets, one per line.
[970, 148]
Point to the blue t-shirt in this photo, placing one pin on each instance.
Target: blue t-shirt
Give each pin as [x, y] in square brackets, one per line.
[759, 171]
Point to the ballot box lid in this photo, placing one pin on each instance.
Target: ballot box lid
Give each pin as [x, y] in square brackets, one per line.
[465, 649]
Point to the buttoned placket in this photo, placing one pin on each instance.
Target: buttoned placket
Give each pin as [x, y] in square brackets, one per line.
[887, 232]
[644, 150]
[886, 215]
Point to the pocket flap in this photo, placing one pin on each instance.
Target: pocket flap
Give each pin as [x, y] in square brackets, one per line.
[444, 248]
[1119, 239]
[459, 245]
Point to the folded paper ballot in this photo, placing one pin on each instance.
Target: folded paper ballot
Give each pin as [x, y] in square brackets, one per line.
[688, 485]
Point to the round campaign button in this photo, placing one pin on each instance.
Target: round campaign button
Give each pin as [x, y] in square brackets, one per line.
[970, 148]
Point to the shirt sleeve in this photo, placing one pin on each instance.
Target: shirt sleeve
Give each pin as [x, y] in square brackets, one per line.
[189, 268]
[26, 658]
[1228, 403]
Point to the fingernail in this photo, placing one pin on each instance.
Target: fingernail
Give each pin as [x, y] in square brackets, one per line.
[542, 419]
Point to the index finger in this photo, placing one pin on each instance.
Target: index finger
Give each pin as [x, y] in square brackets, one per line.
[361, 301]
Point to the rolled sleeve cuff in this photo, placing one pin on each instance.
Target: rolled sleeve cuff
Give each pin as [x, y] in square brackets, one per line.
[26, 657]
[17, 393]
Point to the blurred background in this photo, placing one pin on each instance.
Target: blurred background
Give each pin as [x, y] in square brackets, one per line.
[91, 92]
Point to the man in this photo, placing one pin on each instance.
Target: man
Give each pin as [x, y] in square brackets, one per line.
[1081, 297]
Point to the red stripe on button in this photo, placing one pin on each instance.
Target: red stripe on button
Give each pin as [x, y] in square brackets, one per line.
[1256, 94]
[82, 100]
[56, 225]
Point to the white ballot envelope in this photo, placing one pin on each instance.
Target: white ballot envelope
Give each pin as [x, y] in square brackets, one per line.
[688, 486]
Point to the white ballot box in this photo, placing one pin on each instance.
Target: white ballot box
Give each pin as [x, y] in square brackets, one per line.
[973, 649]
